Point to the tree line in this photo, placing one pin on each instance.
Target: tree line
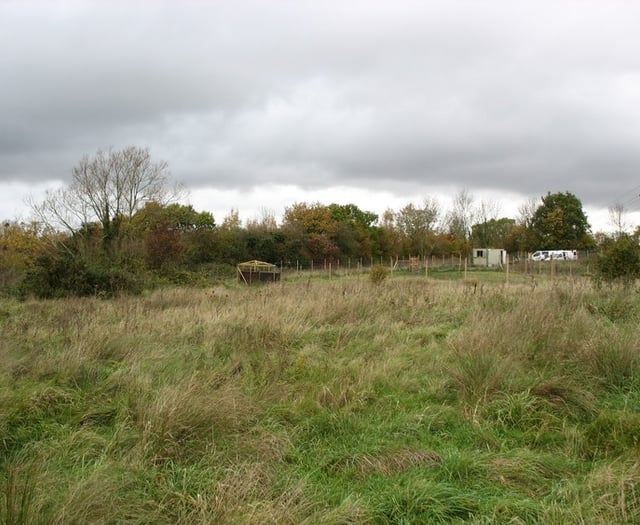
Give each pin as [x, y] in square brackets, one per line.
[118, 227]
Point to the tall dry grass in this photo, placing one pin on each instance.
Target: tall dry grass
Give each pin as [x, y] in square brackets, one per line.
[267, 404]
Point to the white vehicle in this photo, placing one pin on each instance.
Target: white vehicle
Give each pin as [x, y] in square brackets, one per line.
[556, 255]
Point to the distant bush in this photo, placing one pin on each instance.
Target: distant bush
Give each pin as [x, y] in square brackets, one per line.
[217, 271]
[62, 272]
[620, 261]
[378, 274]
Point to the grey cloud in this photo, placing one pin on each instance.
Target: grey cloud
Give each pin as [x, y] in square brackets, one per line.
[521, 97]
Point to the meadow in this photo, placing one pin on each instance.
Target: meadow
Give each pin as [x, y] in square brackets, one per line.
[414, 400]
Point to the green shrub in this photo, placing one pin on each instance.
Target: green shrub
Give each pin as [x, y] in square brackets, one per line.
[62, 272]
[378, 274]
[620, 261]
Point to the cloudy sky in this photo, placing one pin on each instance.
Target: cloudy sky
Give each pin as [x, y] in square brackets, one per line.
[256, 105]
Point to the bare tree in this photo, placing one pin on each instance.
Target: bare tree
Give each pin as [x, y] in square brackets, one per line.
[527, 210]
[461, 216]
[266, 221]
[105, 188]
[232, 220]
[617, 214]
[487, 210]
[388, 219]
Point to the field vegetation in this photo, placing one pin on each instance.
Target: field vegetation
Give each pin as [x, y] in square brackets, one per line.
[413, 400]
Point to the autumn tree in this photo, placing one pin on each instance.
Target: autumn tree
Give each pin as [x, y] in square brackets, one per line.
[386, 239]
[314, 227]
[312, 218]
[20, 243]
[418, 226]
[172, 233]
[178, 216]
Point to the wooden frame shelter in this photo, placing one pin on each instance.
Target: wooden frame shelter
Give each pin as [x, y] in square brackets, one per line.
[257, 271]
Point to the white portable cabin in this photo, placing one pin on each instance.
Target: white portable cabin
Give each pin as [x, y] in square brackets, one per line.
[489, 257]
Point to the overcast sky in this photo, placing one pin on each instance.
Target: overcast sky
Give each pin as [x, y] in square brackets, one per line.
[256, 105]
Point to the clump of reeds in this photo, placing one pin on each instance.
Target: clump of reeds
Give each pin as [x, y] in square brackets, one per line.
[612, 359]
[183, 419]
[17, 492]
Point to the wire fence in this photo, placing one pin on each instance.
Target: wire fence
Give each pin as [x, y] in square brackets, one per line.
[516, 263]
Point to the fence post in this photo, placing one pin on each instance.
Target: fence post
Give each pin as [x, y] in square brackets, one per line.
[507, 280]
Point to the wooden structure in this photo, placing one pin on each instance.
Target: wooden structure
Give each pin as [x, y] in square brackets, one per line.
[257, 272]
[415, 264]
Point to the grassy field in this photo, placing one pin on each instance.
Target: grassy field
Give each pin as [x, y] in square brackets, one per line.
[324, 401]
